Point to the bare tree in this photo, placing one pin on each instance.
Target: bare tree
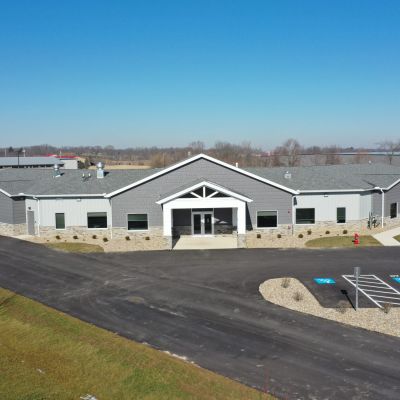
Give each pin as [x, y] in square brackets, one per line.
[197, 147]
[332, 157]
[291, 149]
[390, 147]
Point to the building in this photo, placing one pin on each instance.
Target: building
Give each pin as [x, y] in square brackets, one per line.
[198, 196]
[30, 162]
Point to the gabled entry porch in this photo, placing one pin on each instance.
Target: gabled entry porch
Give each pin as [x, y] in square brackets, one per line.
[204, 210]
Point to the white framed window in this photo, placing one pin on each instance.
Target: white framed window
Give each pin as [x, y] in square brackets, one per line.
[60, 221]
[97, 220]
[341, 215]
[267, 219]
[138, 222]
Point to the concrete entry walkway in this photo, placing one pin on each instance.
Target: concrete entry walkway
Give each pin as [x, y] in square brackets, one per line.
[205, 242]
[387, 237]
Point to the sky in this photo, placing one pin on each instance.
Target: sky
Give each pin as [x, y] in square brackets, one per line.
[166, 73]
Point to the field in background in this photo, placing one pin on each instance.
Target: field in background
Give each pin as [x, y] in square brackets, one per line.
[46, 354]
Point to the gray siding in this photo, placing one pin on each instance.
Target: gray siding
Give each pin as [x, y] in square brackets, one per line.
[142, 199]
[392, 196]
[377, 204]
[6, 209]
[19, 211]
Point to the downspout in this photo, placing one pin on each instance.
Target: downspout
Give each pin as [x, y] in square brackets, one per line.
[293, 217]
[111, 219]
[382, 203]
[38, 207]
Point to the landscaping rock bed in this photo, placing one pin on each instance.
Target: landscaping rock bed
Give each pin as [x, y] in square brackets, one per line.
[292, 294]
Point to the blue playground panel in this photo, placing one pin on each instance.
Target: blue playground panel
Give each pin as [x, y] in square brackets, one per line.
[324, 281]
[396, 279]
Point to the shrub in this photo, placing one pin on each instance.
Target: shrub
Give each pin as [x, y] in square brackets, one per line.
[386, 308]
[127, 238]
[94, 237]
[278, 235]
[344, 231]
[75, 237]
[298, 296]
[258, 235]
[309, 232]
[300, 236]
[58, 237]
[285, 282]
[343, 306]
[147, 238]
[105, 239]
[327, 232]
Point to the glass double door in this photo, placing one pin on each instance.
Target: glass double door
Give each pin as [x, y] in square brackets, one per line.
[202, 223]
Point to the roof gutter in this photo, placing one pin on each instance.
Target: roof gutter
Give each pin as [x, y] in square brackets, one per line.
[44, 196]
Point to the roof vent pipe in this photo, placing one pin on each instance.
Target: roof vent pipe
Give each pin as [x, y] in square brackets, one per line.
[288, 175]
[100, 170]
[56, 171]
[237, 165]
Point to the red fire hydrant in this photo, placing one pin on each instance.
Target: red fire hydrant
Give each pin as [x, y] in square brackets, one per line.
[356, 240]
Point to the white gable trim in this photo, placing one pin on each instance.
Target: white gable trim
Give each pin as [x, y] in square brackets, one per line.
[195, 158]
[6, 193]
[199, 185]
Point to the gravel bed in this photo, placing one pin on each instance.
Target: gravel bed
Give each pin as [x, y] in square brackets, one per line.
[373, 319]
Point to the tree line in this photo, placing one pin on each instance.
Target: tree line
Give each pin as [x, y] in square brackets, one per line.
[290, 153]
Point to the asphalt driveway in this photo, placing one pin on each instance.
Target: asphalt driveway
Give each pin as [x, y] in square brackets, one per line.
[205, 305]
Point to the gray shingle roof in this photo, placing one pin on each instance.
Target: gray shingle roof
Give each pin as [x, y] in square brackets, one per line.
[41, 181]
[28, 161]
[332, 177]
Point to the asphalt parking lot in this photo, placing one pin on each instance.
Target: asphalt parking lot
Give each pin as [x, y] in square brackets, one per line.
[205, 305]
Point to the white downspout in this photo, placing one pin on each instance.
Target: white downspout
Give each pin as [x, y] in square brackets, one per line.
[382, 203]
[38, 208]
[111, 220]
[293, 216]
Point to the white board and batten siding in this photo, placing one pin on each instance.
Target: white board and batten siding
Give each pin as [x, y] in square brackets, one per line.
[75, 210]
[325, 205]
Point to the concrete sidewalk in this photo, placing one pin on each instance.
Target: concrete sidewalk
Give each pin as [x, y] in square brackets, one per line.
[387, 237]
[205, 243]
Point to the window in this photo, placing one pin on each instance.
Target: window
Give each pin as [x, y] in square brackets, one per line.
[97, 220]
[305, 215]
[393, 210]
[341, 215]
[60, 221]
[267, 219]
[137, 222]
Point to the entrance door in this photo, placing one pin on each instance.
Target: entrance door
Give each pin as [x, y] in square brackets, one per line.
[393, 210]
[202, 223]
[31, 222]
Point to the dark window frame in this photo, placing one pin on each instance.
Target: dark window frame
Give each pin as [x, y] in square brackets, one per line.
[338, 219]
[140, 228]
[305, 219]
[90, 219]
[393, 215]
[267, 226]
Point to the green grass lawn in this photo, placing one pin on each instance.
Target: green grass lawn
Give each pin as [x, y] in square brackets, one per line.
[342, 241]
[76, 247]
[45, 354]
[397, 238]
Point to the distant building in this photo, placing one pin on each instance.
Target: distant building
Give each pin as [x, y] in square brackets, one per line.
[30, 162]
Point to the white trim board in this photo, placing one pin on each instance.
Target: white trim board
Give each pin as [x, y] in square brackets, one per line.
[207, 184]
